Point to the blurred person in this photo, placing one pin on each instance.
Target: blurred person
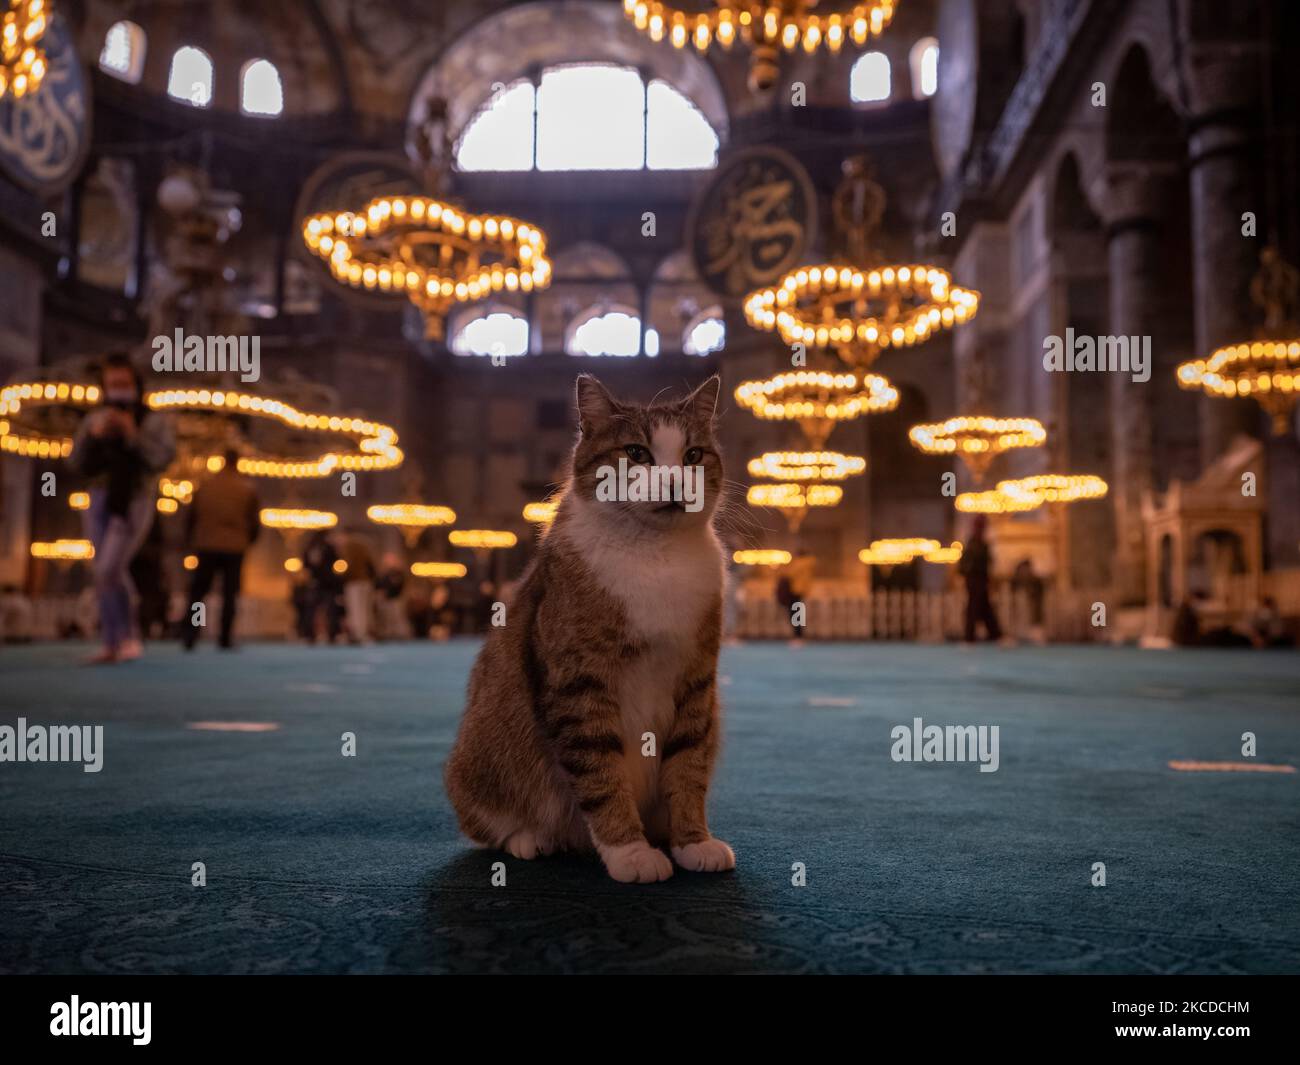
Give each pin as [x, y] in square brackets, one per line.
[974, 567]
[122, 447]
[792, 586]
[324, 586]
[221, 525]
[1267, 629]
[150, 579]
[388, 586]
[358, 588]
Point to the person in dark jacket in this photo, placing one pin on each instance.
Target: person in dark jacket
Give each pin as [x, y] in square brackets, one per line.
[222, 523]
[324, 586]
[974, 566]
[122, 446]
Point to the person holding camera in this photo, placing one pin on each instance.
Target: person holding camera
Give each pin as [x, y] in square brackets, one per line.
[122, 447]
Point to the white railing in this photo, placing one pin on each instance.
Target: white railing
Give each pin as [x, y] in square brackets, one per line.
[924, 617]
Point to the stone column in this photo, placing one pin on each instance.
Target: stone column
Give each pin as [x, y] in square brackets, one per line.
[1224, 86]
[1133, 214]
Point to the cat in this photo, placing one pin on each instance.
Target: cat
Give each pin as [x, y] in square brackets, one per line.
[592, 719]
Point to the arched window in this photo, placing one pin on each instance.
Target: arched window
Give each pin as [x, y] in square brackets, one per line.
[588, 116]
[260, 90]
[190, 79]
[601, 331]
[705, 333]
[925, 67]
[498, 332]
[869, 78]
[123, 52]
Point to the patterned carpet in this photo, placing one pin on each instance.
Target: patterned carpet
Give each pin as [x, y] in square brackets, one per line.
[320, 863]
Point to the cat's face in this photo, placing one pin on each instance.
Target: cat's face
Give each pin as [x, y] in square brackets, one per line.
[653, 467]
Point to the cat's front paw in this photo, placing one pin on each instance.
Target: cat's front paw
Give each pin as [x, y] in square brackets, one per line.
[708, 856]
[636, 863]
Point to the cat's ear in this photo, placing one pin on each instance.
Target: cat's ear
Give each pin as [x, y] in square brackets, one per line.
[595, 404]
[702, 404]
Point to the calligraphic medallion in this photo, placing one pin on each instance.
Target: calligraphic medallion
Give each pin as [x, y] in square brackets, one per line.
[45, 134]
[753, 223]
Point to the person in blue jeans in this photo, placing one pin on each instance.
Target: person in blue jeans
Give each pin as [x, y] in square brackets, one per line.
[122, 446]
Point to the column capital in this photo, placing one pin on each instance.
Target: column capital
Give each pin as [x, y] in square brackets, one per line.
[1133, 194]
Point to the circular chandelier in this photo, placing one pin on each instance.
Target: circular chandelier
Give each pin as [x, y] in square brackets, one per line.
[297, 519]
[63, 550]
[374, 445]
[1000, 500]
[1267, 371]
[761, 557]
[411, 518]
[793, 499]
[897, 551]
[765, 25]
[432, 252]
[442, 571]
[806, 465]
[482, 539]
[22, 59]
[858, 313]
[1057, 487]
[976, 439]
[542, 513]
[817, 399]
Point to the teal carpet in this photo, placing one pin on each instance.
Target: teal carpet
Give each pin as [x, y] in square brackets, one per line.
[320, 863]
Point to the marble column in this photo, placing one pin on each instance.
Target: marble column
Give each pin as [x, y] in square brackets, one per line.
[1134, 194]
[1224, 87]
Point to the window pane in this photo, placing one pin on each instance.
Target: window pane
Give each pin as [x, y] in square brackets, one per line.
[493, 334]
[678, 137]
[705, 336]
[590, 118]
[500, 136]
[123, 52]
[191, 77]
[869, 79]
[261, 93]
[614, 333]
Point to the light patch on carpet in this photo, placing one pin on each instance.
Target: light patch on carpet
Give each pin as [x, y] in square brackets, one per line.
[831, 700]
[357, 667]
[233, 726]
[311, 689]
[1230, 767]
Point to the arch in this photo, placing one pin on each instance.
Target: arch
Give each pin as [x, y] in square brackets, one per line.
[260, 90]
[551, 33]
[1140, 123]
[190, 76]
[1069, 207]
[924, 63]
[495, 329]
[123, 53]
[604, 329]
[870, 79]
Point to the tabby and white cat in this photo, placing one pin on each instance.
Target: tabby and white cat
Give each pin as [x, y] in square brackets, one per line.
[613, 633]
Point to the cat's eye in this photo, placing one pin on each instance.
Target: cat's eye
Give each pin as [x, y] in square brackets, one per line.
[637, 453]
[693, 456]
